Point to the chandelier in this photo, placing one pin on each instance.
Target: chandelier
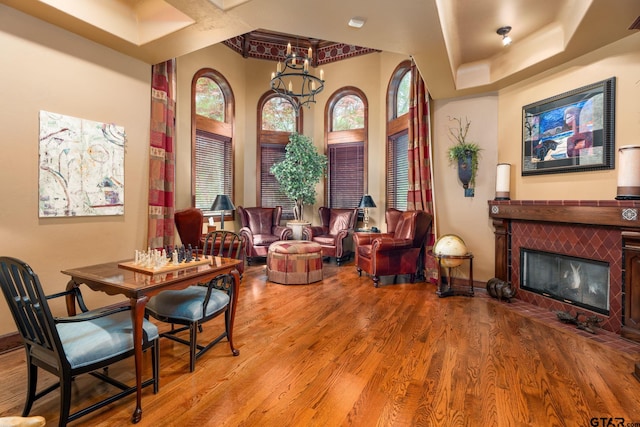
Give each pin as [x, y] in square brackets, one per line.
[293, 81]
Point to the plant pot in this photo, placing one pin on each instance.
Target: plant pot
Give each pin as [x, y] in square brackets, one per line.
[464, 170]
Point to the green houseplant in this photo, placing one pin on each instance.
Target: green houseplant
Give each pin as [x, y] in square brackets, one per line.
[464, 153]
[302, 168]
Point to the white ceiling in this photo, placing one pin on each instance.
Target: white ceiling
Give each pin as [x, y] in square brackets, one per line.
[454, 42]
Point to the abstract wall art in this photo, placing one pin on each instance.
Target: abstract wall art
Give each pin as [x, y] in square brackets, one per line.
[81, 167]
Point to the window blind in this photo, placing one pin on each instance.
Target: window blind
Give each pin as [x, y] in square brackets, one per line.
[213, 168]
[269, 186]
[346, 174]
[398, 171]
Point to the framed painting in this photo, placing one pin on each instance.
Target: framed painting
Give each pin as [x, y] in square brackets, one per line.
[570, 132]
[81, 167]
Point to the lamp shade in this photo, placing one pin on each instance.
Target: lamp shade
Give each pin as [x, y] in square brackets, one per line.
[222, 203]
[367, 202]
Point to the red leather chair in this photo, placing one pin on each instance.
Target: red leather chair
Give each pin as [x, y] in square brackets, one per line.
[391, 217]
[260, 228]
[189, 225]
[335, 233]
[391, 254]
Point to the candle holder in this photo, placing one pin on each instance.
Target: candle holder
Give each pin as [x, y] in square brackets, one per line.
[629, 172]
[503, 181]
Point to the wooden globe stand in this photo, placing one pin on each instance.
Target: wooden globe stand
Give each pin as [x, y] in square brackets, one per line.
[445, 282]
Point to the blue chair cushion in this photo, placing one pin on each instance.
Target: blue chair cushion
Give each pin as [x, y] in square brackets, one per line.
[99, 339]
[186, 304]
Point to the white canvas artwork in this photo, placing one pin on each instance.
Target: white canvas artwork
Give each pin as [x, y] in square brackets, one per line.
[81, 170]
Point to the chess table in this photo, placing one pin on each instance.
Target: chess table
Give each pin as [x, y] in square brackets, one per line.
[138, 286]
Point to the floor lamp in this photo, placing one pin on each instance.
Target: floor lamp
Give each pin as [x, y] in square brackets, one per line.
[222, 203]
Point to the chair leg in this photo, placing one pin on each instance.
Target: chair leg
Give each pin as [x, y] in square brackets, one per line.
[65, 400]
[32, 382]
[359, 271]
[193, 344]
[376, 280]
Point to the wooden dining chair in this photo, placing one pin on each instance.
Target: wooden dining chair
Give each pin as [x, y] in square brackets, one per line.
[189, 308]
[70, 346]
[226, 244]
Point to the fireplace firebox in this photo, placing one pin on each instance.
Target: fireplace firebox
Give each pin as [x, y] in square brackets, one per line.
[577, 281]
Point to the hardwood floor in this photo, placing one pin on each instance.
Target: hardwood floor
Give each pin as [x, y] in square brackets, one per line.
[340, 352]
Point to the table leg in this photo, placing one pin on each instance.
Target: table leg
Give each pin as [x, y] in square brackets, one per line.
[137, 316]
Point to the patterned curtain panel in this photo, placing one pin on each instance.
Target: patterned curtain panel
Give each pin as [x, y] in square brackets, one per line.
[161, 156]
[420, 195]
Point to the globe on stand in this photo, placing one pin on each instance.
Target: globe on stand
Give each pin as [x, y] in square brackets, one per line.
[450, 245]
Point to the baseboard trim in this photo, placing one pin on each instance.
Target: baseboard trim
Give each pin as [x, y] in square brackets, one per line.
[10, 342]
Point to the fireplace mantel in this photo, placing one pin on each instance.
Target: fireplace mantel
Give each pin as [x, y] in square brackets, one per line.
[616, 213]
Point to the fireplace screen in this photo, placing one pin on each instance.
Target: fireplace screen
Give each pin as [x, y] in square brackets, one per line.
[578, 281]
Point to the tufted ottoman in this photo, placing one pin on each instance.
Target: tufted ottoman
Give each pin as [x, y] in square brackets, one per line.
[294, 262]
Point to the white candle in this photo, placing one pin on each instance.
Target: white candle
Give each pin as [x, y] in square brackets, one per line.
[310, 53]
[279, 68]
[306, 65]
[629, 171]
[503, 180]
[290, 86]
[288, 48]
[321, 74]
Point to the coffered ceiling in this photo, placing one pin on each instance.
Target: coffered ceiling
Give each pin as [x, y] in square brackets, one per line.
[454, 42]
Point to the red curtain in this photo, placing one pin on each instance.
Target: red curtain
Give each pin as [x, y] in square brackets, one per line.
[162, 156]
[420, 195]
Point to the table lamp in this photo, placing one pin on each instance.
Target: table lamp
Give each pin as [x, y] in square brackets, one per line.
[366, 202]
[222, 203]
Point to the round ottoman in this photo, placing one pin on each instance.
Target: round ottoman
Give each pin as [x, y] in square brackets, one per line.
[294, 262]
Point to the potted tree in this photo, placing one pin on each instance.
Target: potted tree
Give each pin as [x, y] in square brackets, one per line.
[302, 168]
[464, 154]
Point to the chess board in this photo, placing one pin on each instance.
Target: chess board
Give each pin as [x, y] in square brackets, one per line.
[130, 265]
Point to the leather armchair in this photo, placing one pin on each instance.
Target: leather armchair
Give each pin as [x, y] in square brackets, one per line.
[400, 252]
[391, 217]
[260, 228]
[335, 235]
[189, 225]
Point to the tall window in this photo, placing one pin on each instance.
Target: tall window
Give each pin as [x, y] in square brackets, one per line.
[346, 139]
[212, 139]
[397, 165]
[276, 121]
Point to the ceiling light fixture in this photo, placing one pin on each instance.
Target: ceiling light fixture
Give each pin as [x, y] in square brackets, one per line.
[503, 31]
[356, 22]
[301, 87]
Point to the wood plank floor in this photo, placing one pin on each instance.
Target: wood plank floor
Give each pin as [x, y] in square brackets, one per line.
[340, 352]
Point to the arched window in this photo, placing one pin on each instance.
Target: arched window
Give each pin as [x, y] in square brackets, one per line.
[397, 165]
[346, 125]
[212, 114]
[276, 121]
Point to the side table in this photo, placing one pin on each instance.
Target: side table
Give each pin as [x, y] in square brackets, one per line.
[445, 283]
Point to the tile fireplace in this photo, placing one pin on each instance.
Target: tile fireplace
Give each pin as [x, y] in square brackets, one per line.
[605, 233]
